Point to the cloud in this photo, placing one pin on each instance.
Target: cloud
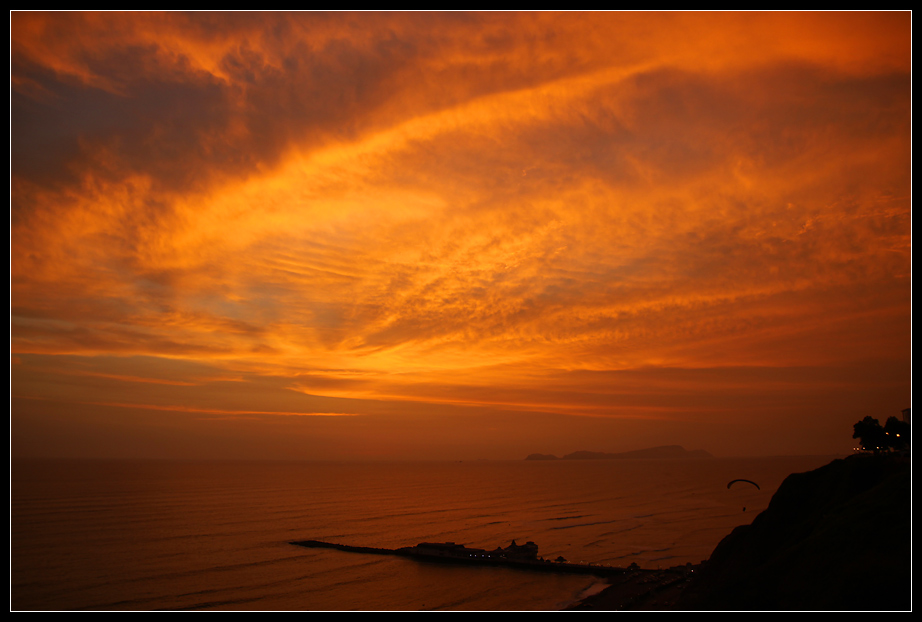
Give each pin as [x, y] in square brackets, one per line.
[483, 202]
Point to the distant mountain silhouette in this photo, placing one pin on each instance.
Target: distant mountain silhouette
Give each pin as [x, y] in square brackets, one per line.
[666, 452]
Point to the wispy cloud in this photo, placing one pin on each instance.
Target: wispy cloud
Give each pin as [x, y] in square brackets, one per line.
[461, 209]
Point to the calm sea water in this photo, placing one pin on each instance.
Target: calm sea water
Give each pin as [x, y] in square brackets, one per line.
[215, 535]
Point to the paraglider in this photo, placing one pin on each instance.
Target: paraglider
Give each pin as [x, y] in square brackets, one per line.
[748, 481]
[744, 494]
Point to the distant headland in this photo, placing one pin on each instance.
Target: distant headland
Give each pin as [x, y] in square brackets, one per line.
[666, 452]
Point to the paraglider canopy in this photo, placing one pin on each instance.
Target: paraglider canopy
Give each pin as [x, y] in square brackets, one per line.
[748, 481]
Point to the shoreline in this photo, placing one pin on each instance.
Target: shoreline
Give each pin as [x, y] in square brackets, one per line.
[799, 553]
[643, 590]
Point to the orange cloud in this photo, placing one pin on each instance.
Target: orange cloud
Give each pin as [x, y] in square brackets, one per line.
[461, 209]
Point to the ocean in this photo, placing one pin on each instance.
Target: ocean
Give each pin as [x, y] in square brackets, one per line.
[165, 535]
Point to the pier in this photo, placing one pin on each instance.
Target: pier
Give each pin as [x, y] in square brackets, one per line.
[522, 557]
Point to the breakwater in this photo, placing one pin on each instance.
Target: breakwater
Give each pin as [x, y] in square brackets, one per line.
[452, 553]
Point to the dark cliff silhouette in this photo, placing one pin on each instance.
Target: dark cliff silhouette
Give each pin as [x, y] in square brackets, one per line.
[837, 538]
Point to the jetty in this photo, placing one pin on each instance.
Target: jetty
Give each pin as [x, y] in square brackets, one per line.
[519, 556]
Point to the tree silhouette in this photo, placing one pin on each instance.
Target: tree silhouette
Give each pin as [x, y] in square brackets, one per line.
[897, 433]
[870, 434]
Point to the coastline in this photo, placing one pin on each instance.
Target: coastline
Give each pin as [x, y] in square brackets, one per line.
[647, 590]
[131, 554]
[798, 554]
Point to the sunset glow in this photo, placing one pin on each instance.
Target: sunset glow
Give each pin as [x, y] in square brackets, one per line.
[482, 235]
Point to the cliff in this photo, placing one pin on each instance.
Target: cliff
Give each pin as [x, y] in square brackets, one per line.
[836, 538]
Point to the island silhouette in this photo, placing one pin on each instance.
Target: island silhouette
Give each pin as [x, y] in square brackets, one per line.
[664, 452]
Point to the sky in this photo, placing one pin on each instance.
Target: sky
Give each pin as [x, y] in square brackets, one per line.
[457, 235]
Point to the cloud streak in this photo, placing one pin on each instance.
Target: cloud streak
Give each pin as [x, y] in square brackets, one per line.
[464, 208]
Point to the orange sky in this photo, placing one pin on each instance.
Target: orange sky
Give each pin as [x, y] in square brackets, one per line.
[457, 235]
